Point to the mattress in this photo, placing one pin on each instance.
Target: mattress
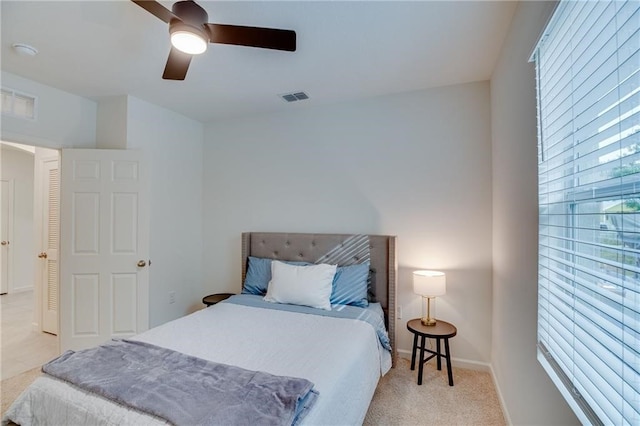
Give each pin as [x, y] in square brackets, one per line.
[342, 357]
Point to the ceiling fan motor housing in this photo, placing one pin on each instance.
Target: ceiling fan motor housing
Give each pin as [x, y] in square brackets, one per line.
[192, 18]
[190, 13]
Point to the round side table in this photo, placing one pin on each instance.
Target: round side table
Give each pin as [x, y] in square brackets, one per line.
[212, 299]
[442, 330]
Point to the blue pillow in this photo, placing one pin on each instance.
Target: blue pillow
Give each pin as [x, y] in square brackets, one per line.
[258, 275]
[350, 285]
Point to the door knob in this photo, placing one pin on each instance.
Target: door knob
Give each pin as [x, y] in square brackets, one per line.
[142, 263]
[5, 243]
[42, 255]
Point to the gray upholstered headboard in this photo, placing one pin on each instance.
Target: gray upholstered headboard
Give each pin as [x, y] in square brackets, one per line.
[314, 247]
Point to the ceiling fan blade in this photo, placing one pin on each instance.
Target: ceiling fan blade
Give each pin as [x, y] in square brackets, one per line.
[267, 38]
[177, 65]
[156, 9]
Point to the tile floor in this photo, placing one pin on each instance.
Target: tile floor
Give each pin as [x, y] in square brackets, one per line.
[22, 348]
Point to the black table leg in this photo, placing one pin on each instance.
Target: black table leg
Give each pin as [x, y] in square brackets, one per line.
[421, 367]
[413, 353]
[439, 354]
[448, 357]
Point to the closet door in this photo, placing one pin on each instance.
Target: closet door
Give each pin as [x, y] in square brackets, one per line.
[48, 192]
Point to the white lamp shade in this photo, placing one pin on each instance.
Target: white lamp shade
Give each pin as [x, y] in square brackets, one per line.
[429, 283]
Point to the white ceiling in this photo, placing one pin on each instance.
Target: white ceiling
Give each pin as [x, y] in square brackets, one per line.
[345, 51]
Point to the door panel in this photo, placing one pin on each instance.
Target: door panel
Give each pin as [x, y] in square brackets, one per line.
[124, 288]
[104, 294]
[124, 223]
[86, 219]
[85, 305]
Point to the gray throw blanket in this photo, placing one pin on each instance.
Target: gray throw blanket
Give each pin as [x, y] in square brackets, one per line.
[182, 389]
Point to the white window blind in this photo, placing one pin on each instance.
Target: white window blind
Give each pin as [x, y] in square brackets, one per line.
[588, 75]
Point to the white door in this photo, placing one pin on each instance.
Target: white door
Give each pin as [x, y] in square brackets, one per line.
[104, 279]
[6, 227]
[47, 230]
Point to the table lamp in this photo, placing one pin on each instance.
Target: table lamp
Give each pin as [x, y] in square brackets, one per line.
[429, 284]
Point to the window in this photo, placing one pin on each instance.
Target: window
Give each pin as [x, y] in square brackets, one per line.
[588, 76]
[18, 104]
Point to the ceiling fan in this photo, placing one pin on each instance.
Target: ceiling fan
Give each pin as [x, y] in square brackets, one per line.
[190, 34]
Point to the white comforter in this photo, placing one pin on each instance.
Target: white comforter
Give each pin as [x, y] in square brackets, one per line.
[343, 358]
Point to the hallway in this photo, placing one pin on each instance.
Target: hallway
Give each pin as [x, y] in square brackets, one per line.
[22, 348]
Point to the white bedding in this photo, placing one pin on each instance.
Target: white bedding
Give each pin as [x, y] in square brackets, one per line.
[343, 358]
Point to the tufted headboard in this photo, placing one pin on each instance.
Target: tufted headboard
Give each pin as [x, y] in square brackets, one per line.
[343, 249]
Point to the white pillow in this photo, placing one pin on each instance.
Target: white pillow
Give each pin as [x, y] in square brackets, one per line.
[308, 285]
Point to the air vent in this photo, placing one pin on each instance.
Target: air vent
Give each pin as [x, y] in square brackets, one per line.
[18, 104]
[292, 97]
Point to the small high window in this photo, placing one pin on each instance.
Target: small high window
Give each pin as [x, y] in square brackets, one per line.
[18, 104]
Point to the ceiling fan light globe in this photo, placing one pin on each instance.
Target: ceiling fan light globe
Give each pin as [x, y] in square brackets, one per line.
[188, 42]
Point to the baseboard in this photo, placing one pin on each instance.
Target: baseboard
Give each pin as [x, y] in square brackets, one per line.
[503, 404]
[471, 365]
[456, 362]
[21, 289]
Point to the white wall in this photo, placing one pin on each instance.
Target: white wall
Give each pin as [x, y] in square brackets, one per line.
[63, 119]
[18, 165]
[415, 165]
[173, 147]
[111, 123]
[529, 395]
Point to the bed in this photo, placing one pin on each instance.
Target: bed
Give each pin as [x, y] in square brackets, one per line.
[341, 355]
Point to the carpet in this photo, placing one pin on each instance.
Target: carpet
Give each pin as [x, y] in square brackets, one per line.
[399, 400]
[12, 387]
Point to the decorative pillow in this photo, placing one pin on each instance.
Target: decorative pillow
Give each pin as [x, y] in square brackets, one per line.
[350, 285]
[301, 285]
[258, 275]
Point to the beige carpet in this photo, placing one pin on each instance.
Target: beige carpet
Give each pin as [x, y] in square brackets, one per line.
[12, 387]
[400, 401]
[397, 401]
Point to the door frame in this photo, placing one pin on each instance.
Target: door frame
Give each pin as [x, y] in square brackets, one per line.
[10, 223]
[41, 143]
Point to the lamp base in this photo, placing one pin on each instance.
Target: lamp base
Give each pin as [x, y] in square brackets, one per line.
[428, 321]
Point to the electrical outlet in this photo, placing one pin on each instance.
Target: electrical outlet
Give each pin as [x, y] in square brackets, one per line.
[399, 312]
[172, 297]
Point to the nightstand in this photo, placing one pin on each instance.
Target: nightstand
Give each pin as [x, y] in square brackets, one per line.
[441, 331]
[212, 299]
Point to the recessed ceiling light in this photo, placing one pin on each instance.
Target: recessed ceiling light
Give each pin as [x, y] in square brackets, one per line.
[25, 49]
